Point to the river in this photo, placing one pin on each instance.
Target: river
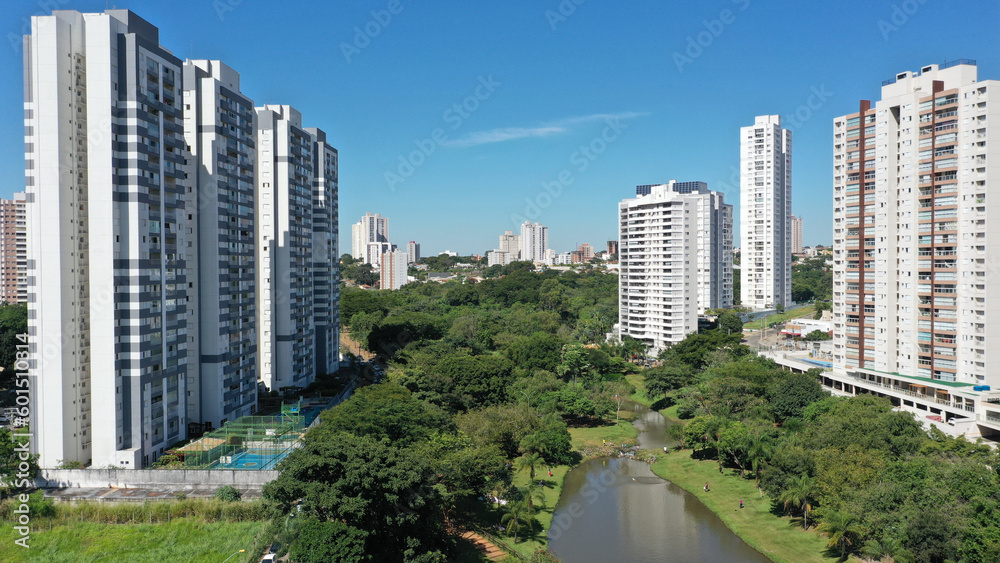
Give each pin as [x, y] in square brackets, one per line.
[617, 509]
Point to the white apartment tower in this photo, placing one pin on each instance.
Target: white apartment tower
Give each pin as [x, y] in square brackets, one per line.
[916, 210]
[675, 261]
[796, 235]
[109, 225]
[534, 241]
[371, 228]
[765, 214]
[219, 124]
[285, 301]
[325, 265]
[511, 244]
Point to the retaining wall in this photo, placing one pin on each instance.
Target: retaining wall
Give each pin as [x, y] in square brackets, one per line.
[143, 478]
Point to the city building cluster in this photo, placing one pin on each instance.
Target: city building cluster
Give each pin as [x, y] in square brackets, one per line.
[181, 243]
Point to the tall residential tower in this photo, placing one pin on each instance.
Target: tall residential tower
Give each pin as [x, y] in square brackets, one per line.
[675, 261]
[916, 206]
[765, 214]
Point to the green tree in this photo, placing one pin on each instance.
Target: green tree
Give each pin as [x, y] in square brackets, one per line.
[843, 529]
[800, 494]
[730, 323]
[816, 336]
[529, 462]
[518, 514]
[321, 542]
[790, 395]
[666, 378]
[228, 493]
[11, 483]
[573, 362]
[13, 321]
[385, 411]
[365, 483]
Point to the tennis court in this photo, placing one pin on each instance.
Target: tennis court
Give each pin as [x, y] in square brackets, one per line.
[251, 461]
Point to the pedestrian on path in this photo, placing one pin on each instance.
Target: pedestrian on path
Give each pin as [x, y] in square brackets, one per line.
[741, 505]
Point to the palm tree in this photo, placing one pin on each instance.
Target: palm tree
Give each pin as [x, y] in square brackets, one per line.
[532, 443]
[800, 494]
[517, 513]
[529, 461]
[843, 530]
[760, 448]
[533, 492]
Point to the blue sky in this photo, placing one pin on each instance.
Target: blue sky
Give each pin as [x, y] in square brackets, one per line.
[545, 110]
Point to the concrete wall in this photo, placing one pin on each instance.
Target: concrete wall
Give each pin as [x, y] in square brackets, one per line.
[141, 478]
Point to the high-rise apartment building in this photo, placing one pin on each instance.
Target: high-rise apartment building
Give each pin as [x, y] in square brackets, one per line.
[765, 214]
[219, 125]
[511, 244]
[371, 228]
[675, 261]
[287, 177]
[394, 270]
[914, 308]
[534, 241]
[412, 252]
[796, 235]
[13, 249]
[325, 263]
[613, 247]
[110, 244]
[498, 258]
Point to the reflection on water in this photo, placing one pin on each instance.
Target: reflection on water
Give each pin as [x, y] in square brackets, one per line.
[618, 510]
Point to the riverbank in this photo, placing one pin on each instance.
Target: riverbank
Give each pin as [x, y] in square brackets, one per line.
[780, 538]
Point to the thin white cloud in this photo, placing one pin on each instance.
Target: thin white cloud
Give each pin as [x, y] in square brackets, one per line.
[502, 134]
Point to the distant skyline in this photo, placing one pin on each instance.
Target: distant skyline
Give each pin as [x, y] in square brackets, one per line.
[460, 121]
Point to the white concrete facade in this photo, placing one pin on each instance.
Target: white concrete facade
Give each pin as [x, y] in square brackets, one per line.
[370, 229]
[765, 214]
[511, 244]
[498, 258]
[285, 300]
[219, 126]
[916, 228]
[534, 241]
[108, 233]
[675, 261]
[412, 252]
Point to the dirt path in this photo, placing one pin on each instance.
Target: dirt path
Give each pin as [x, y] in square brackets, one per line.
[492, 552]
[349, 344]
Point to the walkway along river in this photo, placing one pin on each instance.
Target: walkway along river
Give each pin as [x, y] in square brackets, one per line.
[617, 509]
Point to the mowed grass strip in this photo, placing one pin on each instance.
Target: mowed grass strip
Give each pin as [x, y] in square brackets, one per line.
[189, 540]
[782, 539]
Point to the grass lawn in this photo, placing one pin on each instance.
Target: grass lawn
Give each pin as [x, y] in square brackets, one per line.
[780, 538]
[526, 541]
[586, 436]
[189, 540]
[806, 311]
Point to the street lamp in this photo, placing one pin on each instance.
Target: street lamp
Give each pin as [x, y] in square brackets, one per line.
[234, 555]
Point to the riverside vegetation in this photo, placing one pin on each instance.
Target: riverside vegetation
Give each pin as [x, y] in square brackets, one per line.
[870, 480]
